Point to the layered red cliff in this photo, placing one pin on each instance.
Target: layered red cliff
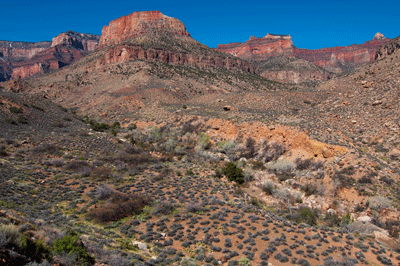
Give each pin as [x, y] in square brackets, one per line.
[259, 48]
[332, 59]
[22, 59]
[139, 23]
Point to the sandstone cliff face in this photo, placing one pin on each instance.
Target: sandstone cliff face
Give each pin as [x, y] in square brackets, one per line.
[125, 52]
[259, 48]
[21, 50]
[343, 59]
[52, 58]
[139, 23]
[23, 59]
[154, 37]
[336, 59]
[80, 41]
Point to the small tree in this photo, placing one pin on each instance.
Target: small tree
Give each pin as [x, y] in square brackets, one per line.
[233, 173]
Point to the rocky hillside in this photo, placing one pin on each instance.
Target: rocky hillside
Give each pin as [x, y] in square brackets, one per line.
[156, 63]
[22, 59]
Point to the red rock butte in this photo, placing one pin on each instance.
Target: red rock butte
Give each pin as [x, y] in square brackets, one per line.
[140, 23]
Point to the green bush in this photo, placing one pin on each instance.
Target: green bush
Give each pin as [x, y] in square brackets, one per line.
[72, 245]
[233, 173]
[100, 127]
[306, 215]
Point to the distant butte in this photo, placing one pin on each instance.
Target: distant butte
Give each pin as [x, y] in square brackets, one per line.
[140, 23]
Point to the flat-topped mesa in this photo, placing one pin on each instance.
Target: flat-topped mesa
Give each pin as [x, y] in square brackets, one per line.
[139, 23]
[80, 41]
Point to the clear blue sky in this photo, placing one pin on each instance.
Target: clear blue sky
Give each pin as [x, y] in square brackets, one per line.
[312, 24]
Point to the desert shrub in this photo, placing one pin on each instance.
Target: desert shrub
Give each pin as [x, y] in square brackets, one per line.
[344, 261]
[332, 219]
[379, 203]
[54, 162]
[228, 146]
[15, 110]
[243, 261]
[310, 189]
[153, 134]
[316, 165]
[104, 192]
[281, 166]
[346, 220]
[72, 245]
[303, 164]
[365, 180]
[100, 127]
[163, 208]
[233, 173]
[257, 165]
[248, 176]
[3, 151]
[22, 119]
[387, 180]
[344, 177]
[102, 173]
[188, 262]
[47, 148]
[119, 206]
[250, 148]
[271, 151]
[306, 215]
[268, 188]
[80, 167]
[203, 141]
[194, 207]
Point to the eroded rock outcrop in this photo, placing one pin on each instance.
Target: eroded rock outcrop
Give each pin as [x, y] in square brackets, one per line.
[388, 49]
[259, 48]
[80, 41]
[140, 23]
[24, 59]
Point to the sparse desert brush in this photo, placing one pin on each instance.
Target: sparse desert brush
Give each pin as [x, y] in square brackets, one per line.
[118, 206]
[270, 151]
[268, 187]
[55, 162]
[194, 207]
[302, 164]
[102, 173]
[48, 148]
[163, 208]
[281, 166]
